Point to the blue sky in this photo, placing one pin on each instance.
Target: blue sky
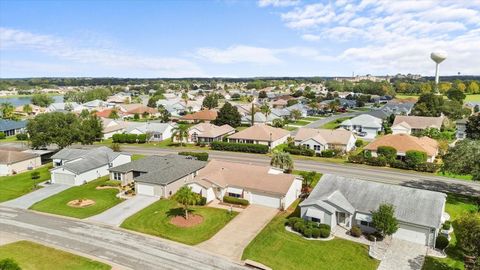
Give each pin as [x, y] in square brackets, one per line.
[236, 38]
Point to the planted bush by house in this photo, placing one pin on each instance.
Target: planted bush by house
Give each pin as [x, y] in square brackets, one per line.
[308, 228]
[129, 138]
[329, 153]
[300, 151]
[233, 200]
[240, 147]
[355, 231]
[203, 156]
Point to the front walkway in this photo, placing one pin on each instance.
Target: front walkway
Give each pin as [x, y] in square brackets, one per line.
[403, 255]
[27, 200]
[236, 235]
[117, 214]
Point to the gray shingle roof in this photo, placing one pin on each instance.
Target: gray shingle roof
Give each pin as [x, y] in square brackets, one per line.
[11, 124]
[161, 170]
[412, 205]
[89, 159]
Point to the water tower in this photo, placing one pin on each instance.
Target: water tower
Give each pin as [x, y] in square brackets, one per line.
[438, 57]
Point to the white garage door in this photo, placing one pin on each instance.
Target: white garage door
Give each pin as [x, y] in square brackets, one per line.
[412, 234]
[143, 189]
[265, 200]
[63, 178]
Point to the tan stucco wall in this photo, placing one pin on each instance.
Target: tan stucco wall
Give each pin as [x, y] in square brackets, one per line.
[23, 165]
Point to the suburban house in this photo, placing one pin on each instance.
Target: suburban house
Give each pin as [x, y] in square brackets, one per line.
[157, 131]
[261, 134]
[411, 124]
[64, 107]
[279, 103]
[112, 126]
[136, 109]
[11, 127]
[398, 108]
[97, 104]
[323, 139]
[259, 185]
[105, 113]
[120, 98]
[159, 176]
[365, 124]
[175, 107]
[203, 115]
[77, 166]
[259, 118]
[344, 202]
[206, 133]
[461, 129]
[404, 143]
[13, 162]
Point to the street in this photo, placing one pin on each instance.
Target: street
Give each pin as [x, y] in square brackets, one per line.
[127, 249]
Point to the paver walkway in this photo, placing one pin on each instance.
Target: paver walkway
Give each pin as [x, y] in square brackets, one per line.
[403, 255]
[236, 235]
[117, 214]
[27, 200]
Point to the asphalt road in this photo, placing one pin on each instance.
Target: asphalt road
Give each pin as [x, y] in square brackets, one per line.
[383, 175]
[124, 248]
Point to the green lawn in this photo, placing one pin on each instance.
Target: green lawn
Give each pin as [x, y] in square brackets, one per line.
[137, 156]
[335, 123]
[300, 123]
[456, 176]
[10, 139]
[155, 220]
[57, 204]
[473, 98]
[315, 180]
[456, 206]
[311, 118]
[279, 249]
[290, 128]
[33, 256]
[20, 184]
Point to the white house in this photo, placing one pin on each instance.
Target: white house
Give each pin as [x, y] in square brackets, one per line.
[345, 202]
[323, 139]
[411, 124]
[364, 123]
[12, 162]
[77, 166]
[261, 134]
[260, 185]
[112, 126]
[157, 131]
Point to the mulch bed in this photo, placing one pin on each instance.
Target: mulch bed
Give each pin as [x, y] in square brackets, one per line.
[192, 220]
[107, 187]
[81, 203]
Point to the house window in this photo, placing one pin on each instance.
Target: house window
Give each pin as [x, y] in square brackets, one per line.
[117, 176]
[234, 195]
[307, 146]
[316, 147]
[315, 219]
[365, 223]
[194, 137]
[157, 136]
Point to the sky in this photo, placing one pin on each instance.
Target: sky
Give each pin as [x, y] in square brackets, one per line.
[236, 38]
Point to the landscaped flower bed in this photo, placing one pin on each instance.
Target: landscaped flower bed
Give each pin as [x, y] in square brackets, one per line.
[308, 229]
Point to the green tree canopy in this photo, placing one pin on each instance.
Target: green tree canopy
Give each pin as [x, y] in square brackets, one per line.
[384, 220]
[186, 197]
[282, 160]
[463, 159]
[228, 115]
[473, 127]
[210, 101]
[42, 100]
[467, 232]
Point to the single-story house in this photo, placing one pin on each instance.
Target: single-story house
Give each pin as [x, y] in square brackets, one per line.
[111, 127]
[261, 134]
[259, 118]
[203, 115]
[11, 127]
[260, 185]
[137, 109]
[364, 123]
[157, 131]
[346, 202]
[64, 107]
[404, 143]
[77, 166]
[412, 124]
[461, 129]
[206, 132]
[13, 162]
[279, 103]
[398, 108]
[323, 139]
[159, 176]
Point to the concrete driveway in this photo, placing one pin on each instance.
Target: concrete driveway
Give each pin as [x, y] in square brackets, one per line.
[403, 255]
[27, 200]
[117, 214]
[236, 235]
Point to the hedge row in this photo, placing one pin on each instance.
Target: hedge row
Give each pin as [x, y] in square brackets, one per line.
[203, 156]
[414, 161]
[2, 135]
[308, 228]
[129, 138]
[240, 147]
[228, 199]
[300, 151]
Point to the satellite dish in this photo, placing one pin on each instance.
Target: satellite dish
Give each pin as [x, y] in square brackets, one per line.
[438, 56]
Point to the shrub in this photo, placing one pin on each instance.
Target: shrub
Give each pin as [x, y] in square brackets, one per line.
[387, 152]
[115, 147]
[315, 232]
[399, 164]
[300, 151]
[22, 136]
[358, 159]
[307, 232]
[299, 226]
[426, 167]
[35, 175]
[371, 237]
[142, 138]
[119, 138]
[132, 138]
[203, 156]
[355, 231]
[441, 242]
[9, 264]
[324, 233]
[358, 143]
[367, 153]
[328, 153]
[240, 147]
[234, 200]
[292, 220]
[376, 161]
[2, 135]
[201, 201]
[447, 225]
[413, 157]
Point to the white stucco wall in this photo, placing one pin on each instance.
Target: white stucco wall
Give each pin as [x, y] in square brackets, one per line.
[292, 194]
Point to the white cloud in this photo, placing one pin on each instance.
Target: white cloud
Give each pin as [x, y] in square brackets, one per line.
[309, 16]
[278, 3]
[106, 57]
[310, 37]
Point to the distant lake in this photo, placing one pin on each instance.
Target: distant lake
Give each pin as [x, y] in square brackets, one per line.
[19, 101]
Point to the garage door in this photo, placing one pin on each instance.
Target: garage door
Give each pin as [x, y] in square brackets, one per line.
[145, 190]
[412, 234]
[265, 200]
[63, 178]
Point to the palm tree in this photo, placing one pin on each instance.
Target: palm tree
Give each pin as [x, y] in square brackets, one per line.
[180, 133]
[296, 114]
[185, 98]
[265, 109]
[186, 197]
[282, 160]
[113, 114]
[27, 109]
[7, 110]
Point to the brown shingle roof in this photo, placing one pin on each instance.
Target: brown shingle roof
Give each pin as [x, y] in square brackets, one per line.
[404, 143]
[419, 122]
[9, 157]
[204, 115]
[212, 131]
[261, 133]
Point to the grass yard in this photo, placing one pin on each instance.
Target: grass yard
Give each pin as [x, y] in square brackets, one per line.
[300, 123]
[279, 249]
[57, 204]
[155, 220]
[311, 118]
[10, 139]
[20, 184]
[137, 157]
[33, 256]
[289, 128]
[473, 98]
[456, 206]
[456, 176]
[335, 123]
[315, 180]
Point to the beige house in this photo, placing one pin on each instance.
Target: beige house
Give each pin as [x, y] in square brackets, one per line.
[13, 162]
[411, 124]
[404, 143]
[323, 139]
[261, 134]
[206, 133]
